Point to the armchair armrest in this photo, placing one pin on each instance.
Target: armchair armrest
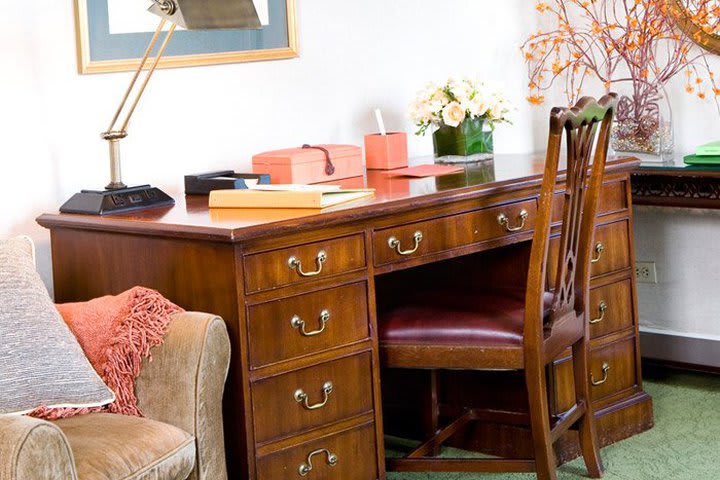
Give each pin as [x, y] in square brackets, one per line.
[183, 386]
[32, 448]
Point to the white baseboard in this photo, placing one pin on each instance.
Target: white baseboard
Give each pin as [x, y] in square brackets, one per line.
[680, 348]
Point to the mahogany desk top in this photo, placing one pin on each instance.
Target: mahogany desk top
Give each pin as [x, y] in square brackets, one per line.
[192, 218]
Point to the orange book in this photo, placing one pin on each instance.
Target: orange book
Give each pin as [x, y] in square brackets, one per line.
[286, 196]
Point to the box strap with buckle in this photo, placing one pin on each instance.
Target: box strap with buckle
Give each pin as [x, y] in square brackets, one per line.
[329, 167]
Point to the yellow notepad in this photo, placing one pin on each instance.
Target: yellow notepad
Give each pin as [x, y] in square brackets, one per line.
[286, 196]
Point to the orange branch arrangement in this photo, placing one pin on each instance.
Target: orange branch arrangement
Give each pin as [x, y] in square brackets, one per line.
[633, 42]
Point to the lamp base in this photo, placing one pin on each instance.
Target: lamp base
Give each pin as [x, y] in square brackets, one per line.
[122, 200]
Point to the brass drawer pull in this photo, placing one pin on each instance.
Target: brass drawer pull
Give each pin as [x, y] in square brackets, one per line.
[302, 397]
[602, 308]
[298, 322]
[605, 369]
[504, 221]
[395, 244]
[599, 249]
[296, 264]
[307, 467]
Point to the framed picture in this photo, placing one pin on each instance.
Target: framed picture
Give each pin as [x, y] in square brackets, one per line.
[112, 36]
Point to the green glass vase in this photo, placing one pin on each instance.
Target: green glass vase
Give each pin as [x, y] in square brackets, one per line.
[471, 141]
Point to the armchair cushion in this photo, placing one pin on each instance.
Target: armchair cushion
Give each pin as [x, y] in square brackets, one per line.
[42, 362]
[108, 446]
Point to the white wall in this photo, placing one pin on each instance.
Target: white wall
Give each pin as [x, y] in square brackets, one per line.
[683, 244]
[354, 56]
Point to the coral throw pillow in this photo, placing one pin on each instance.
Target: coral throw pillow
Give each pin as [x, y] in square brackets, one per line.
[116, 333]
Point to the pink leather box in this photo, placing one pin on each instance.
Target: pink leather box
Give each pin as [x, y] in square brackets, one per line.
[310, 164]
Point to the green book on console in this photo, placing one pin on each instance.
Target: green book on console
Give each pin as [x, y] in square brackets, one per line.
[702, 159]
[711, 149]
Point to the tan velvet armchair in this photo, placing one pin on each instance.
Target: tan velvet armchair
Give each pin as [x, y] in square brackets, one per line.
[180, 393]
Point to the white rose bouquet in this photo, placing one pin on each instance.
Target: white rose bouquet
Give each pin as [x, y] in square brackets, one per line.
[450, 104]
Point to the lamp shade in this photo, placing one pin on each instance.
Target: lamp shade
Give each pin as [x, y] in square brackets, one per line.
[208, 14]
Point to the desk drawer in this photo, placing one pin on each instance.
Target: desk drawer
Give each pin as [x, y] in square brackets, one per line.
[398, 243]
[349, 455]
[306, 324]
[611, 308]
[304, 263]
[621, 375]
[613, 198]
[611, 252]
[613, 368]
[330, 392]
[612, 248]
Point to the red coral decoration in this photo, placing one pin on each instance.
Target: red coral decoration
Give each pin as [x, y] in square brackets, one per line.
[621, 41]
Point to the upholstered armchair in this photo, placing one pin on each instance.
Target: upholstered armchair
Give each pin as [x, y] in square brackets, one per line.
[180, 393]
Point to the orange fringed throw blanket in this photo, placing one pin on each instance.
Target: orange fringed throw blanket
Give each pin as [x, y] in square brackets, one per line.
[116, 333]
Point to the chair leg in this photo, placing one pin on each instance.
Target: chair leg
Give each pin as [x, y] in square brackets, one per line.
[431, 411]
[588, 435]
[545, 462]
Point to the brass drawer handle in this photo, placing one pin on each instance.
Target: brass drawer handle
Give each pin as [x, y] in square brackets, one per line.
[395, 244]
[599, 249]
[307, 467]
[504, 221]
[602, 308]
[302, 398]
[605, 369]
[296, 264]
[298, 322]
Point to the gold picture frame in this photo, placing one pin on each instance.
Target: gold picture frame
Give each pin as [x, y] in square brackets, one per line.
[695, 32]
[86, 12]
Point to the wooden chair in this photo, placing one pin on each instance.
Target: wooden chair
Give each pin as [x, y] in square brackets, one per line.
[519, 330]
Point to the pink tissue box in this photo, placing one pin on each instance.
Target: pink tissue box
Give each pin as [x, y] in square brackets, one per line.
[385, 152]
[308, 165]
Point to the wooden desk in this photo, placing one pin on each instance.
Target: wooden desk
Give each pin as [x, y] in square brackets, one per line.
[292, 332]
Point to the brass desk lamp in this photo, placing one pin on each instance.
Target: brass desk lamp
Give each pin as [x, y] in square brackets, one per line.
[191, 15]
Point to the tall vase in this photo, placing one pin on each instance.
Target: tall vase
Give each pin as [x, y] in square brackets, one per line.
[471, 141]
[643, 124]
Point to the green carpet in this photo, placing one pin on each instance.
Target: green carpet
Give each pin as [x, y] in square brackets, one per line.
[683, 445]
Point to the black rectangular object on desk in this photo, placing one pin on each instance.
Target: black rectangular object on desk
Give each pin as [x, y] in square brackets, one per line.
[204, 183]
[121, 200]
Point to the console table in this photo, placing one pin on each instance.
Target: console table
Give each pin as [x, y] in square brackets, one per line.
[676, 184]
[299, 290]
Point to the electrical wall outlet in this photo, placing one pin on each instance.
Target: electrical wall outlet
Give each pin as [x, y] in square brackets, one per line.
[645, 272]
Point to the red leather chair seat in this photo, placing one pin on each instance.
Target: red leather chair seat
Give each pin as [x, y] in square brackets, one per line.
[458, 318]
